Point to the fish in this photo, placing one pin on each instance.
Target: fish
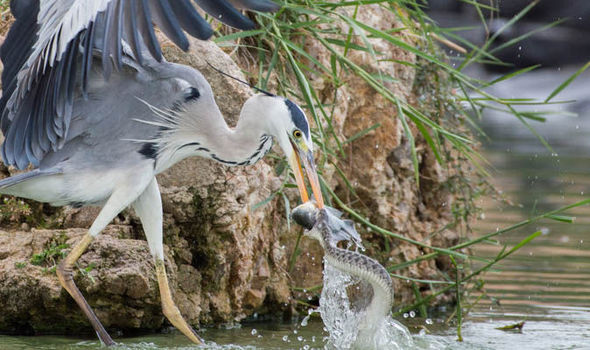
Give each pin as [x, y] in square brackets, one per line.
[307, 214]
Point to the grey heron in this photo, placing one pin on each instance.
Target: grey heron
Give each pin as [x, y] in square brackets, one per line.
[89, 102]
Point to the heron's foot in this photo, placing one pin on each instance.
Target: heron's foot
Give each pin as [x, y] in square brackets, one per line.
[170, 309]
[66, 279]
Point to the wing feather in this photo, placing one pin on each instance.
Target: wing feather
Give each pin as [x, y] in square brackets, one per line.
[107, 67]
[147, 31]
[223, 11]
[190, 20]
[49, 48]
[256, 5]
[131, 29]
[166, 20]
[87, 58]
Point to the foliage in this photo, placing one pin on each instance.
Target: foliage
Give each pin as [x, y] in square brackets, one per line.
[445, 123]
[13, 209]
[54, 251]
[85, 271]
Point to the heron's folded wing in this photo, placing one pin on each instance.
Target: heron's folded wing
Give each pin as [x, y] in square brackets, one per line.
[41, 56]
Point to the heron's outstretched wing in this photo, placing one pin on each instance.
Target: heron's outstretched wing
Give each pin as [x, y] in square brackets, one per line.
[41, 56]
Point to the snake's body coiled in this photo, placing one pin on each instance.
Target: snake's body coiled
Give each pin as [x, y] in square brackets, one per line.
[321, 225]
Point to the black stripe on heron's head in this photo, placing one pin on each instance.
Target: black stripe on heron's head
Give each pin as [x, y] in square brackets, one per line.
[298, 117]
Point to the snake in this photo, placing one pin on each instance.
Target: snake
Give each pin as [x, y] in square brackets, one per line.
[326, 226]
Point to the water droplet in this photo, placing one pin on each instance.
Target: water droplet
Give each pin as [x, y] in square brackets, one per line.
[254, 331]
[428, 321]
[305, 320]
[406, 315]
[412, 314]
[300, 338]
[285, 338]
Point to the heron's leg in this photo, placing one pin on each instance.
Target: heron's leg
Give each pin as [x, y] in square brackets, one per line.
[118, 201]
[169, 307]
[66, 278]
[148, 207]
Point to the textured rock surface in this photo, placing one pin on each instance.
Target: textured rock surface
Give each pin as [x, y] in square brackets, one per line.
[227, 261]
[379, 164]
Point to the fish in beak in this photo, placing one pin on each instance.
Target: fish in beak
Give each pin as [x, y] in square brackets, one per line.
[297, 159]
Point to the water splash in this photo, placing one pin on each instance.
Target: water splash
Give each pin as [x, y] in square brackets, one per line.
[342, 319]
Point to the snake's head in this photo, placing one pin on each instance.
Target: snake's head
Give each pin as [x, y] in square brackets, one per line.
[305, 215]
[315, 220]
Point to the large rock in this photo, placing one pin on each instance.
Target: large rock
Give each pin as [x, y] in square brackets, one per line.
[115, 274]
[225, 260]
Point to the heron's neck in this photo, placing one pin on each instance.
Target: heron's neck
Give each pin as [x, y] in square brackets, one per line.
[213, 138]
[239, 146]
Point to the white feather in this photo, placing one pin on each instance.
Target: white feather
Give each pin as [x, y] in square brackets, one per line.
[59, 22]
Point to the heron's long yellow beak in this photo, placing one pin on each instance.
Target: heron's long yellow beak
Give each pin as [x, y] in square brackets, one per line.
[307, 159]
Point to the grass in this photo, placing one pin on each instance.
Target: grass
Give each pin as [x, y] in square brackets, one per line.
[55, 250]
[446, 124]
[51, 255]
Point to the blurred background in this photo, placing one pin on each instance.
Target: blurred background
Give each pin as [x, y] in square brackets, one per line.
[545, 284]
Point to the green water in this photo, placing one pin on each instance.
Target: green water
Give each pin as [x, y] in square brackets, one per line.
[545, 328]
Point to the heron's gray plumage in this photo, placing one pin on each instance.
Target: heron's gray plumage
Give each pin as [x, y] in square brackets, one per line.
[41, 57]
[163, 107]
[90, 102]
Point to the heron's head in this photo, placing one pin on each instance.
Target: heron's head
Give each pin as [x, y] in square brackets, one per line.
[286, 122]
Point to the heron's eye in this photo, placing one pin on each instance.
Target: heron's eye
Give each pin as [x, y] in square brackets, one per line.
[297, 134]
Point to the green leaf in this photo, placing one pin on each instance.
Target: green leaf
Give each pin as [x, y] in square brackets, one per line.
[362, 133]
[562, 218]
[567, 82]
[513, 74]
